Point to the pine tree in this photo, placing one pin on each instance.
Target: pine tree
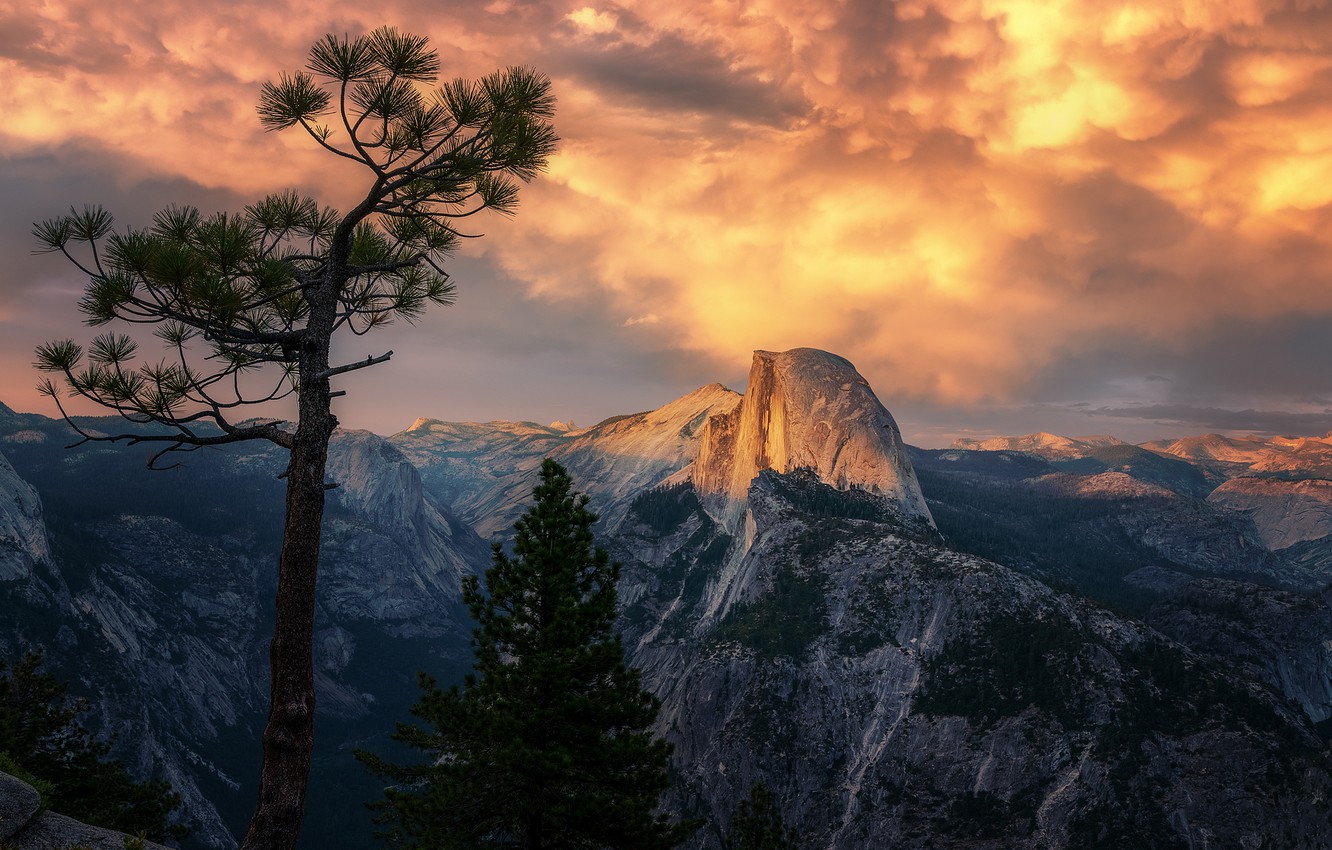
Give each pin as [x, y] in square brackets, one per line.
[248, 305]
[546, 743]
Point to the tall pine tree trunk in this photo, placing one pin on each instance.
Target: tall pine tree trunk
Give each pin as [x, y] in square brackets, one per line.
[289, 735]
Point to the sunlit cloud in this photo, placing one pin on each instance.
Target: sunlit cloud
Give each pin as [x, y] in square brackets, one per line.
[961, 196]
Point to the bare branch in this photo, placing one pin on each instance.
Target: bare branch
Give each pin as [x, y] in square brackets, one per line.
[352, 367]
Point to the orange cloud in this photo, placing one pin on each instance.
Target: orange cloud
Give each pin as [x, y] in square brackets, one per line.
[955, 193]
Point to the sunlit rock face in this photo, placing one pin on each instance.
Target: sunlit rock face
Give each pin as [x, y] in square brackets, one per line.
[22, 531]
[1284, 512]
[393, 554]
[1043, 444]
[806, 408]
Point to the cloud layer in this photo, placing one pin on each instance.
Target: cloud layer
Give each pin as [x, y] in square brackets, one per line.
[978, 202]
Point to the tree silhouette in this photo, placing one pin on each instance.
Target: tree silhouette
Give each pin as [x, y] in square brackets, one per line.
[246, 304]
[546, 745]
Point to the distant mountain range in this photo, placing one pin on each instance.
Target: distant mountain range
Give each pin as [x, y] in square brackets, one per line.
[1022, 642]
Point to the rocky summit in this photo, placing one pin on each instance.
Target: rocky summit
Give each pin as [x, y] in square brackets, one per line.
[1025, 642]
[807, 409]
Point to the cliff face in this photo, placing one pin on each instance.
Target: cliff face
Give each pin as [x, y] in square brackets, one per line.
[816, 635]
[1284, 512]
[807, 408]
[157, 602]
[22, 530]
[891, 692]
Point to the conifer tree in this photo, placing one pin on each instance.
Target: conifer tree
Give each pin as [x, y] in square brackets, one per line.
[247, 305]
[42, 740]
[546, 743]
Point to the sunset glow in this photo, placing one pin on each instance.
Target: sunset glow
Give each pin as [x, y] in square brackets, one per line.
[986, 205]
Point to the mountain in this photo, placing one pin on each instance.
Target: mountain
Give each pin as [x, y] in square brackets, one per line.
[1241, 576]
[807, 409]
[1061, 646]
[22, 529]
[1275, 456]
[154, 599]
[1041, 444]
[484, 472]
[892, 692]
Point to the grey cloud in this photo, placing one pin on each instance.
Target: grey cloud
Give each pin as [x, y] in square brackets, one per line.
[1255, 368]
[29, 41]
[1220, 419]
[499, 353]
[44, 185]
[674, 74]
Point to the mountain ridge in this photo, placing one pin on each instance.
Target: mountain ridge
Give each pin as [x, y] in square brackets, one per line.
[1067, 649]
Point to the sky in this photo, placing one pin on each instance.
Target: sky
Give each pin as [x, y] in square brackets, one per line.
[1010, 215]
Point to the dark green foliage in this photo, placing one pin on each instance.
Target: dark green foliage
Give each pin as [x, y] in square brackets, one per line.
[545, 745]
[42, 740]
[665, 508]
[785, 620]
[807, 493]
[1008, 665]
[758, 825]
[1180, 694]
[978, 815]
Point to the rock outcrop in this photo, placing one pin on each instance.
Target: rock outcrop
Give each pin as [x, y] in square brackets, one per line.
[395, 555]
[890, 692]
[809, 409]
[1284, 512]
[25, 826]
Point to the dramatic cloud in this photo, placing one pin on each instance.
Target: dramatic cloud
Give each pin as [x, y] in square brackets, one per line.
[984, 204]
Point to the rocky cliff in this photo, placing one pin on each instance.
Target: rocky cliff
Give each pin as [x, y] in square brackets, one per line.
[807, 409]
[156, 604]
[1284, 512]
[22, 529]
[894, 693]
[894, 684]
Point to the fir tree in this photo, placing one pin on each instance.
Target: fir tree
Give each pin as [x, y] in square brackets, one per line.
[546, 743]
